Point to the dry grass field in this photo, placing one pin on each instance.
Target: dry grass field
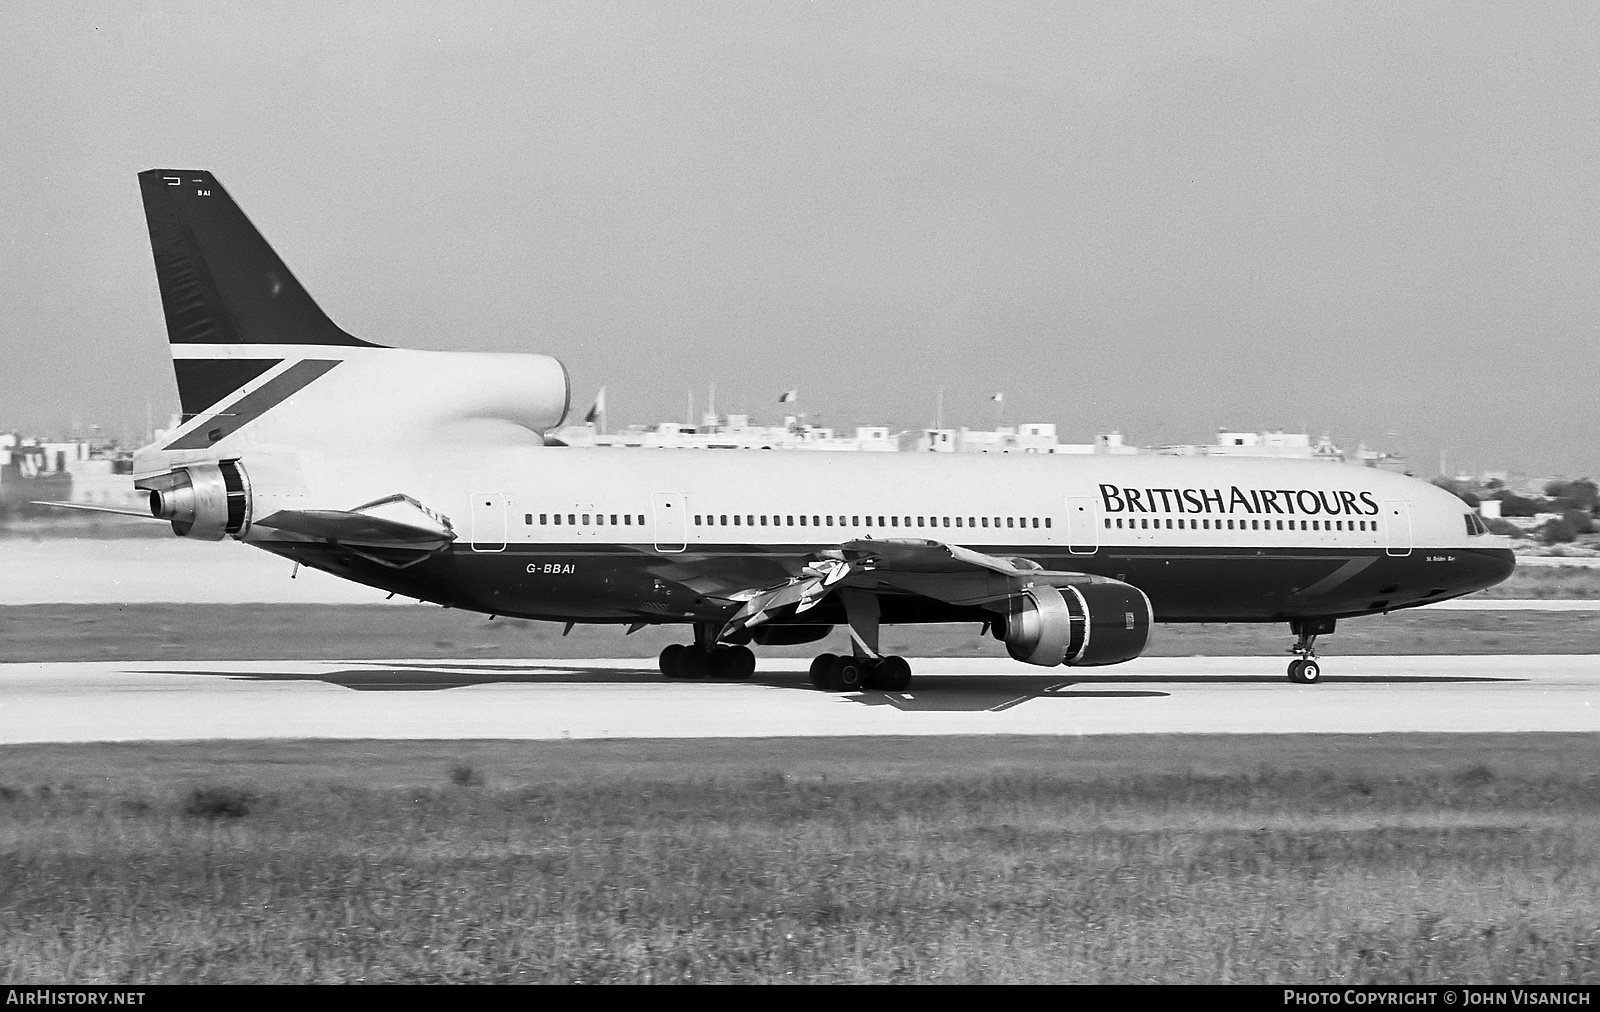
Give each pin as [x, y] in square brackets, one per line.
[1189, 859]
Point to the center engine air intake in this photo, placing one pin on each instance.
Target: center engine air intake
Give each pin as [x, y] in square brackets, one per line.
[207, 502]
[1105, 622]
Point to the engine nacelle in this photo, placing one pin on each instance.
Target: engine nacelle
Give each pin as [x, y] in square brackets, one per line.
[1081, 624]
[204, 501]
[789, 635]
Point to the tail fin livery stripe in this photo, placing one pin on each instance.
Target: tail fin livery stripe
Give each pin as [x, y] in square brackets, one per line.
[203, 382]
[252, 405]
[221, 283]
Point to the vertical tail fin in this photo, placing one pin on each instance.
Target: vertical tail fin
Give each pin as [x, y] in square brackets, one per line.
[222, 284]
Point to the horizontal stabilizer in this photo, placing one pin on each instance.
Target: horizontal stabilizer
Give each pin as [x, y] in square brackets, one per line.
[350, 528]
[91, 508]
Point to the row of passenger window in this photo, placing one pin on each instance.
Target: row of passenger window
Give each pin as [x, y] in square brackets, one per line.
[587, 519]
[827, 520]
[1256, 525]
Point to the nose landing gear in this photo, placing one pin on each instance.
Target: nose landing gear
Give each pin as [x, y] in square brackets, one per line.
[1304, 669]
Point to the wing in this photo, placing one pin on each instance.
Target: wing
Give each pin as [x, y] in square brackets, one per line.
[931, 569]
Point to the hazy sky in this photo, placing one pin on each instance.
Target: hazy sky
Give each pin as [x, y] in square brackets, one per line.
[1343, 218]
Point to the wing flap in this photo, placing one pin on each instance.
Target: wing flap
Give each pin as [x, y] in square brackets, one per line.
[933, 569]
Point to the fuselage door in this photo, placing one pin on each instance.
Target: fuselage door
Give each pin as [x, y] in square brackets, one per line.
[1083, 533]
[672, 521]
[488, 522]
[1397, 526]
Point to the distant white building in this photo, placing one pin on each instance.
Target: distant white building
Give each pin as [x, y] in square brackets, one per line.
[735, 432]
[1030, 437]
[1276, 443]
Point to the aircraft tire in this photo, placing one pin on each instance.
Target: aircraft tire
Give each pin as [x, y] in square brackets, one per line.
[891, 674]
[847, 674]
[732, 663]
[672, 659]
[819, 670]
[695, 663]
[1305, 672]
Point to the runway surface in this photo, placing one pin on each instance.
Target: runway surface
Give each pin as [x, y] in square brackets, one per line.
[538, 699]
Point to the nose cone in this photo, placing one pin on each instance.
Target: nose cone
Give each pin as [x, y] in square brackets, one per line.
[1487, 567]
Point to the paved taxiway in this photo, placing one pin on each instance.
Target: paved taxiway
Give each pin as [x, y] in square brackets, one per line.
[534, 699]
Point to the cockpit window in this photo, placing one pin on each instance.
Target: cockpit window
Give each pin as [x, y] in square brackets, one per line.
[1475, 525]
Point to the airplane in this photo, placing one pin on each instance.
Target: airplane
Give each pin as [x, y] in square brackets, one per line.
[426, 474]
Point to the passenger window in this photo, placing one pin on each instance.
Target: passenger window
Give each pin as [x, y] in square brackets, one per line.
[1169, 524]
[736, 520]
[543, 517]
[627, 519]
[947, 521]
[558, 519]
[816, 521]
[1009, 521]
[1036, 521]
[1108, 523]
[586, 520]
[1119, 522]
[855, 521]
[1047, 522]
[894, 521]
[958, 521]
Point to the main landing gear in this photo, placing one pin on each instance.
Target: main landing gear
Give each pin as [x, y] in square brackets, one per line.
[1304, 669]
[832, 673]
[866, 667]
[706, 658]
[732, 663]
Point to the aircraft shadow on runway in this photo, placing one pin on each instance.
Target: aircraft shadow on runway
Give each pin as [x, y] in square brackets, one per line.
[930, 693]
[943, 693]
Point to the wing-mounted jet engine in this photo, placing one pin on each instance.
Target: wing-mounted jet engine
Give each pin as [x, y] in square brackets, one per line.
[1080, 624]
